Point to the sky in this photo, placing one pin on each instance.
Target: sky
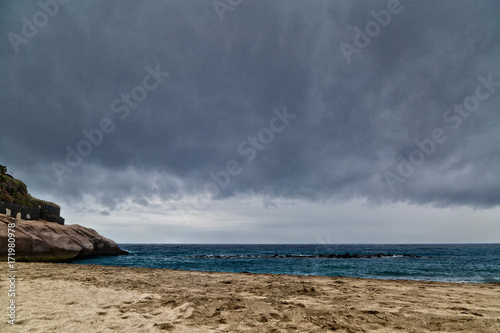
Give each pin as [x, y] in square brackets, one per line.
[236, 121]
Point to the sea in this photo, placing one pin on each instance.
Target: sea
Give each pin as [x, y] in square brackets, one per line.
[472, 263]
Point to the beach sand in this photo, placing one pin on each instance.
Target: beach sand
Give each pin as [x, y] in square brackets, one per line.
[81, 298]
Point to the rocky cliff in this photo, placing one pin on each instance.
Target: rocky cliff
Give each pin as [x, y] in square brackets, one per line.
[47, 241]
[16, 201]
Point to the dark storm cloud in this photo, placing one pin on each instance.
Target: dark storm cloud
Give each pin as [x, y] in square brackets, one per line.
[225, 78]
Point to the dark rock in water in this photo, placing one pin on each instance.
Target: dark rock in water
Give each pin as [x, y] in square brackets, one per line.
[302, 256]
[47, 241]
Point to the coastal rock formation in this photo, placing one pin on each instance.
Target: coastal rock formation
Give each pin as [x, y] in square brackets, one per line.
[15, 201]
[48, 241]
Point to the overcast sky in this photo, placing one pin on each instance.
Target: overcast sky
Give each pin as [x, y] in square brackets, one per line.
[257, 121]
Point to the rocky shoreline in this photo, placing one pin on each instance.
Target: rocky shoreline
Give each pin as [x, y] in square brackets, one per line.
[51, 242]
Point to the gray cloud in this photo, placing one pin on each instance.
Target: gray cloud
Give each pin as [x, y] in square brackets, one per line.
[353, 120]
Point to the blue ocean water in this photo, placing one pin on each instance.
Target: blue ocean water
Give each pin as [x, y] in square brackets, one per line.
[477, 263]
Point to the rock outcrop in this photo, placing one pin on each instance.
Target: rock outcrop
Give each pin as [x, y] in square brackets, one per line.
[48, 241]
[15, 201]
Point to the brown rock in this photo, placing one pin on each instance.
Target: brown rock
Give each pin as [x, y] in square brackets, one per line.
[48, 241]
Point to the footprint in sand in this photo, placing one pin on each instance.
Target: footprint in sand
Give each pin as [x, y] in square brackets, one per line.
[164, 326]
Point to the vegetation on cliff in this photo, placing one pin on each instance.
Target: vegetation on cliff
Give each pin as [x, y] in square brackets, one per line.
[15, 191]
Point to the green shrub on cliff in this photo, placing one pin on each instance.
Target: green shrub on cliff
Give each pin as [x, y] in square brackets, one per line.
[15, 191]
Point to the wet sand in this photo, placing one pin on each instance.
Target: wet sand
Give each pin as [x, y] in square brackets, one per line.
[80, 298]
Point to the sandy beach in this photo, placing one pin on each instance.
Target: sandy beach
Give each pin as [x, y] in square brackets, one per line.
[78, 298]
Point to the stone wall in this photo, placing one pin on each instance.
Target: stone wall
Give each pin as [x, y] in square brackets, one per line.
[45, 212]
[18, 211]
[51, 213]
